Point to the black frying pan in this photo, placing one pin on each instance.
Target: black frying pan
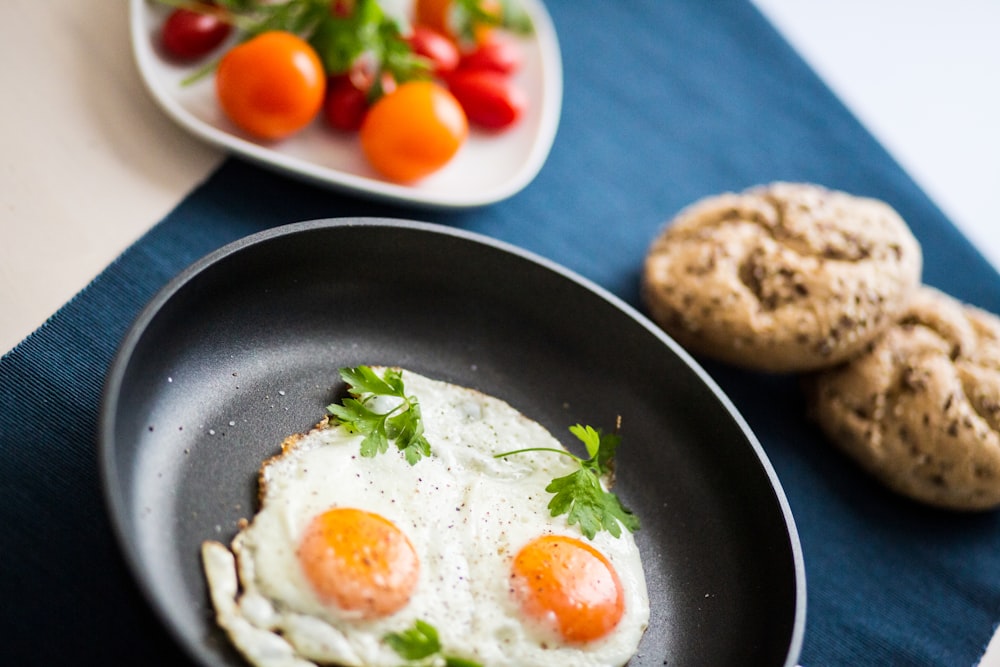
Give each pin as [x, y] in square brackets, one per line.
[243, 348]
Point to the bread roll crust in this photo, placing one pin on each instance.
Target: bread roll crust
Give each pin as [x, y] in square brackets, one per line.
[787, 277]
[920, 409]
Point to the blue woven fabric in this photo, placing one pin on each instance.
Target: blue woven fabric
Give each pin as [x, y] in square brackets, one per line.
[665, 102]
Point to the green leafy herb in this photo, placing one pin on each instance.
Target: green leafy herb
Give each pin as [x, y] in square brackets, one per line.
[400, 422]
[420, 646]
[466, 15]
[367, 35]
[360, 35]
[580, 494]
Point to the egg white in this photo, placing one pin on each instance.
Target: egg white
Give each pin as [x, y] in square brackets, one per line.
[466, 514]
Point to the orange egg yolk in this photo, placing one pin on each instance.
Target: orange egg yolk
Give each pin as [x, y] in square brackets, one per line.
[359, 562]
[566, 583]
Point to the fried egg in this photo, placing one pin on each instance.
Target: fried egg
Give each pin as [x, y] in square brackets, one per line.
[346, 549]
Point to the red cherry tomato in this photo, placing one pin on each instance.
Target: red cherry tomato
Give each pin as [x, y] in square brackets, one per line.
[434, 14]
[345, 106]
[188, 35]
[342, 8]
[496, 54]
[490, 99]
[438, 49]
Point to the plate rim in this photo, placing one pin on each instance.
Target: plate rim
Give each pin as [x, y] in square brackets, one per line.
[115, 497]
[548, 42]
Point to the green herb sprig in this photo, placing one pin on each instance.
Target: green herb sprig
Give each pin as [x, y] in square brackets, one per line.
[401, 424]
[420, 647]
[580, 494]
[363, 30]
[466, 15]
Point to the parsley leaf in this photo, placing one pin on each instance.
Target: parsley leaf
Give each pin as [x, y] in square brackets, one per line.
[420, 645]
[419, 642]
[363, 37]
[401, 423]
[370, 35]
[580, 494]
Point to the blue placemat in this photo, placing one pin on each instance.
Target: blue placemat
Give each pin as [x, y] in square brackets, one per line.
[665, 102]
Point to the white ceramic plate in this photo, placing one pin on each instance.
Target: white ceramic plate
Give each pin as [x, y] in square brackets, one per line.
[487, 169]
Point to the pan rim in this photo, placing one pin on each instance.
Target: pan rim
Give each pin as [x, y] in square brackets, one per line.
[115, 496]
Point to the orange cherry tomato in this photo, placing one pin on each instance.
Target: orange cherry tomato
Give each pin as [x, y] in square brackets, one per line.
[434, 15]
[413, 131]
[272, 85]
[437, 14]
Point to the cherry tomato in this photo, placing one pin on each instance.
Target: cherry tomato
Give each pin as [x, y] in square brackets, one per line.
[437, 14]
[489, 99]
[434, 15]
[345, 105]
[496, 54]
[438, 49]
[413, 131]
[271, 85]
[188, 34]
[342, 8]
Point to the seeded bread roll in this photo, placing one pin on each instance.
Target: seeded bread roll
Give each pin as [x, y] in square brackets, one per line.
[783, 278]
[920, 409]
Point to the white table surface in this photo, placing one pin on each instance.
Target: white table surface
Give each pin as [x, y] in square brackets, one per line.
[79, 181]
[924, 77]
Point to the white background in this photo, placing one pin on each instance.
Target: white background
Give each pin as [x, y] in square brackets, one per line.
[924, 77]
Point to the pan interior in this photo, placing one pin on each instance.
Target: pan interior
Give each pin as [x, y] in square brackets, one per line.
[243, 349]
